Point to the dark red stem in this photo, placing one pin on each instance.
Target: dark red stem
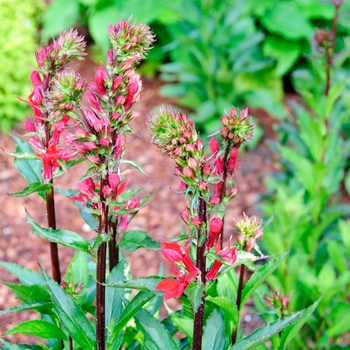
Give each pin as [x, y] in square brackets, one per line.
[113, 250]
[51, 220]
[201, 265]
[101, 274]
[238, 299]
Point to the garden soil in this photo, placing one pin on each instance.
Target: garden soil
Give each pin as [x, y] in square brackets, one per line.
[160, 218]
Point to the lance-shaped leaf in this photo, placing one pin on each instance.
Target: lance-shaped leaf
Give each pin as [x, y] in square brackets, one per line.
[28, 293]
[265, 332]
[70, 315]
[32, 188]
[146, 284]
[130, 310]
[290, 332]
[229, 309]
[30, 169]
[214, 332]
[194, 293]
[40, 306]
[136, 239]
[134, 165]
[156, 336]
[26, 276]
[259, 277]
[39, 328]
[64, 237]
[9, 346]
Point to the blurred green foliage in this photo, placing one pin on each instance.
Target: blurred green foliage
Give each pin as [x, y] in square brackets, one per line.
[213, 53]
[305, 202]
[18, 41]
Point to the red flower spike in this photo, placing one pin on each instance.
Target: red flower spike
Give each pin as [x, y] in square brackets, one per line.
[215, 227]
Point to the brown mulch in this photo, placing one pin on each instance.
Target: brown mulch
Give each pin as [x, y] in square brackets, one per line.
[160, 218]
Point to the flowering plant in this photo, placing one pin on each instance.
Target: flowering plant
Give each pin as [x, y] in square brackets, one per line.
[203, 261]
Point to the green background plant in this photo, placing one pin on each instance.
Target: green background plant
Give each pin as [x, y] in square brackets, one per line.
[19, 22]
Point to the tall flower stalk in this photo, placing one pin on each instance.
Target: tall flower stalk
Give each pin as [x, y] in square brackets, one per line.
[206, 183]
[56, 95]
[100, 136]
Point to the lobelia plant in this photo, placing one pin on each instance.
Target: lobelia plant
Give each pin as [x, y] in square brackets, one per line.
[212, 295]
[306, 203]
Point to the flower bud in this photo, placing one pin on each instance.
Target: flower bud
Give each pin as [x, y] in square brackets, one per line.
[214, 200]
[214, 145]
[202, 186]
[187, 172]
[250, 244]
[193, 163]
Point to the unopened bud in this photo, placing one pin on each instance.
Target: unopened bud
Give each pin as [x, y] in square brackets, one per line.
[250, 245]
[193, 163]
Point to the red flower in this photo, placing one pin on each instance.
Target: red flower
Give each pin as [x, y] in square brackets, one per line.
[215, 227]
[228, 254]
[175, 288]
[175, 253]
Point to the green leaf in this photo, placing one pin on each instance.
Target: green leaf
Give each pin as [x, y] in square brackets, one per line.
[98, 22]
[284, 51]
[30, 169]
[334, 93]
[214, 331]
[229, 310]
[285, 19]
[70, 315]
[290, 332]
[53, 24]
[27, 293]
[40, 306]
[194, 294]
[339, 320]
[10, 346]
[39, 328]
[64, 237]
[265, 332]
[259, 277]
[32, 188]
[144, 283]
[155, 334]
[25, 276]
[136, 239]
[130, 310]
[337, 254]
[114, 302]
[134, 165]
[184, 323]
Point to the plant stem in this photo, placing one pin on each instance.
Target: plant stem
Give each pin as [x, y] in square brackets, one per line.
[330, 54]
[71, 343]
[238, 299]
[223, 193]
[201, 265]
[113, 250]
[51, 220]
[101, 274]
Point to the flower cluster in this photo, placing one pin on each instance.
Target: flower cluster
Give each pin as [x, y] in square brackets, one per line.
[57, 92]
[249, 232]
[237, 127]
[54, 57]
[99, 134]
[278, 302]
